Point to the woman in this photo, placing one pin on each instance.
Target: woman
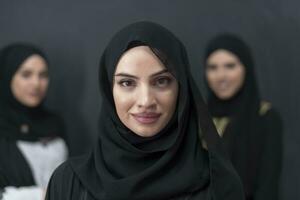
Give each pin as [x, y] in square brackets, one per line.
[148, 144]
[250, 127]
[31, 137]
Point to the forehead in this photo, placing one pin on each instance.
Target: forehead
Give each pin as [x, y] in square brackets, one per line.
[34, 62]
[140, 60]
[222, 55]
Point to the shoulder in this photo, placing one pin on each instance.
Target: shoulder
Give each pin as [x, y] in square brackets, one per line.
[61, 174]
[265, 106]
[64, 182]
[271, 121]
[60, 182]
[268, 111]
[66, 169]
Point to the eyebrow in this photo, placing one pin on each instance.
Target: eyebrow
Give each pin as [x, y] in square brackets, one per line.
[230, 63]
[135, 77]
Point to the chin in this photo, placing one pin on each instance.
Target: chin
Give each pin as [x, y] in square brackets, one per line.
[146, 133]
[32, 104]
[224, 96]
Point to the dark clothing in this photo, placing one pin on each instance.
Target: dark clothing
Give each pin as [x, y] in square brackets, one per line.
[14, 169]
[270, 161]
[172, 163]
[19, 122]
[65, 184]
[253, 136]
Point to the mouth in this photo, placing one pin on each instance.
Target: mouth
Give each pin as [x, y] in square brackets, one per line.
[34, 94]
[146, 118]
[223, 86]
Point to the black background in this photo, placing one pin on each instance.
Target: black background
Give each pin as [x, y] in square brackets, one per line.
[74, 33]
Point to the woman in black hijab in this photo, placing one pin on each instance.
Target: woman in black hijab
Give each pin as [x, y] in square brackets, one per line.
[31, 144]
[250, 127]
[148, 145]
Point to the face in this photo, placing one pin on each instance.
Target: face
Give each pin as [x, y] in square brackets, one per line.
[225, 74]
[30, 83]
[144, 91]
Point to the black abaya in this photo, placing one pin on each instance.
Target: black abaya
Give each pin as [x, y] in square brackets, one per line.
[253, 135]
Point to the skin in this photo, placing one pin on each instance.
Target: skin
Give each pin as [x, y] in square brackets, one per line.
[145, 92]
[225, 74]
[30, 83]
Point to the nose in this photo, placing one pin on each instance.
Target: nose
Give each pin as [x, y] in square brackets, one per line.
[146, 97]
[221, 73]
[35, 81]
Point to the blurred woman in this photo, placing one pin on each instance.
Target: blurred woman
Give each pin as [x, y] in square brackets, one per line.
[249, 126]
[31, 137]
[148, 145]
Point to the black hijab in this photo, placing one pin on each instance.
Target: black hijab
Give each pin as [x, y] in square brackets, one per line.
[17, 121]
[172, 163]
[242, 136]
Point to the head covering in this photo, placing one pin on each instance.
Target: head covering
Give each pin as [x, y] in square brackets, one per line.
[18, 121]
[249, 91]
[170, 164]
[242, 136]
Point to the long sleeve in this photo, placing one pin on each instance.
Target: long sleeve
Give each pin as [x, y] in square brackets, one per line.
[267, 187]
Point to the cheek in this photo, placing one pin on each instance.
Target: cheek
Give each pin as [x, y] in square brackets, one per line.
[44, 84]
[168, 100]
[19, 85]
[123, 101]
[211, 79]
[237, 77]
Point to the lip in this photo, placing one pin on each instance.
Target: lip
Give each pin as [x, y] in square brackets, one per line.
[223, 86]
[146, 118]
[34, 93]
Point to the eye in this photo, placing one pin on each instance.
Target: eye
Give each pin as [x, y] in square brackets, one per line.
[44, 75]
[25, 74]
[230, 65]
[127, 83]
[211, 67]
[163, 82]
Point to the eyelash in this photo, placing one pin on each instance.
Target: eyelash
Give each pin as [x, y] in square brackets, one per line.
[28, 74]
[166, 78]
[230, 66]
[227, 66]
[123, 82]
[128, 83]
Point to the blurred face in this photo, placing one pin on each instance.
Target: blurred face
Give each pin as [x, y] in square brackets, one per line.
[30, 83]
[144, 91]
[225, 74]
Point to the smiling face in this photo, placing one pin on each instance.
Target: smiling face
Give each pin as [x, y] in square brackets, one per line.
[144, 91]
[30, 83]
[225, 74]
